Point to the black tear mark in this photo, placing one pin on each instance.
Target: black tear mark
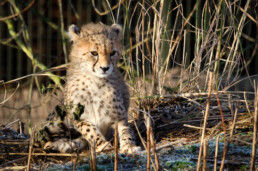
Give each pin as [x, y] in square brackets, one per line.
[93, 69]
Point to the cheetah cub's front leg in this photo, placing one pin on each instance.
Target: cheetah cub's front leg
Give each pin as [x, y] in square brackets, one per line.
[92, 134]
[125, 138]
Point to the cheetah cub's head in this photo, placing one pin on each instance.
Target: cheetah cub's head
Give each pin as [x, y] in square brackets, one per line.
[96, 48]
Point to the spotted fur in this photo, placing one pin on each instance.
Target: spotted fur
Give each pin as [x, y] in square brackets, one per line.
[94, 82]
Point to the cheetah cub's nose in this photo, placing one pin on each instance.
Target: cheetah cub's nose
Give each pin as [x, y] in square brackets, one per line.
[104, 69]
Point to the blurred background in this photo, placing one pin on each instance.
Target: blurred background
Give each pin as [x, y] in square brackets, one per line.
[42, 21]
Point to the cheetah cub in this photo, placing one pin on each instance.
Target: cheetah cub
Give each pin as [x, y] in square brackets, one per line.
[94, 82]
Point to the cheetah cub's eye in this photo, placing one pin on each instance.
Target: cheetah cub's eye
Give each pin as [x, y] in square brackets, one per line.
[94, 53]
[113, 53]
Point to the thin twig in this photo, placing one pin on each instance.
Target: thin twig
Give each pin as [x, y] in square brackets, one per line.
[148, 143]
[230, 138]
[116, 148]
[74, 161]
[106, 11]
[62, 30]
[224, 130]
[216, 153]
[147, 115]
[6, 99]
[184, 95]
[18, 13]
[221, 114]
[13, 161]
[137, 164]
[139, 134]
[153, 146]
[197, 127]
[30, 149]
[111, 12]
[10, 124]
[252, 168]
[246, 104]
[205, 121]
[46, 154]
[93, 163]
[205, 146]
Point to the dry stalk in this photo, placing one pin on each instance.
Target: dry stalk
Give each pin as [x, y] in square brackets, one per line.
[235, 44]
[30, 149]
[21, 127]
[12, 123]
[74, 161]
[8, 98]
[45, 154]
[137, 164]
[153, 146]
[116, 149]
[224, 130]
[105, 12]
[205, 146]
[93, 162]
[14, 168]
[62, 30]
[14, 161]
[196, 127]
[254, 133]
[183, 64]
[185, 95]
[246, 103]
[137, 129]
[148, 144]
[18, 13]
[221, 114]
[230, 138]
[216, 153]
[205, 121]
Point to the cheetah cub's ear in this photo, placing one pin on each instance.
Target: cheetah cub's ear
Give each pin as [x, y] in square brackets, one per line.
[117, 29]
[74, 32]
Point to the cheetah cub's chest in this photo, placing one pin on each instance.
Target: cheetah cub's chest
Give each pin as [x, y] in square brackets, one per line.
[101, 98]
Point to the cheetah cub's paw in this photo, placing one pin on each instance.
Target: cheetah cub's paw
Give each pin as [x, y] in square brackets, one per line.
[130, 148]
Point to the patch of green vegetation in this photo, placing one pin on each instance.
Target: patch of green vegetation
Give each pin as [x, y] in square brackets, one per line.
[171, 90]
[49, 88]
[78, 111]
[168, 164]
[191, 148]
[40, 135]
[60, 112]
[183, 165]
[244, 167]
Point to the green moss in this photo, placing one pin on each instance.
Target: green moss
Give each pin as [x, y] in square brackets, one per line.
[182, 165]
[78, 111]
[60, 112]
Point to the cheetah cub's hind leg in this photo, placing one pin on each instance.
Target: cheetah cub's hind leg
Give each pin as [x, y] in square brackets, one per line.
[69, 139]
[126, 139]
[63, 138]
[65, 145]
[91, 133]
